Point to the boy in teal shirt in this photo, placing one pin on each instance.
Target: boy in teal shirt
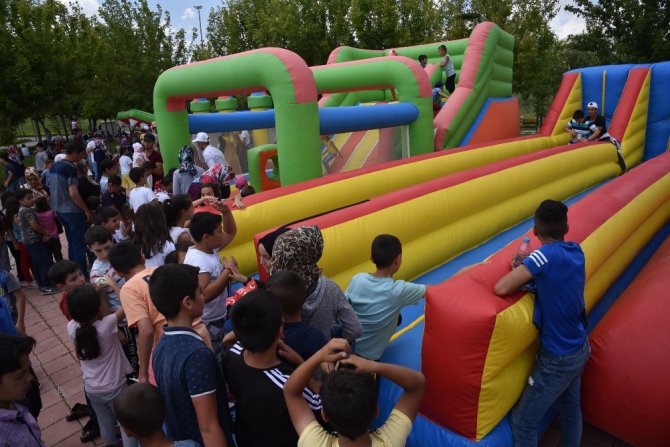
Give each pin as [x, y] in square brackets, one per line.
[377, 299]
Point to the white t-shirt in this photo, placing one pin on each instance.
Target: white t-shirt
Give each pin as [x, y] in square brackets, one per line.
[209, 263]
[139, 196]
[25, 151]
[158, 259]
[125, 164]
[175, 232]
[162, 196]
[40, 160]
[213, 156]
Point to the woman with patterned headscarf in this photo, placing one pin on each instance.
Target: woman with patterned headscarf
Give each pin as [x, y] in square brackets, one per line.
[34, 184]
[187, 172]
[326, 307]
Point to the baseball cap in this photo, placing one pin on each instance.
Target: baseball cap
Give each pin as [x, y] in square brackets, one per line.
[592, 105]
[202, 137]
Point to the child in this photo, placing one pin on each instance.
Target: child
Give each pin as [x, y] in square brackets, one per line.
[163, 187]
[99, 240]
[449, 69]
[377, 298]
[291, 291]
[349, 398]
[256, 374]
[16, 422]
[34, 235]
[558, 269]
[152, 235]
[187, 372]
[178, 213]
[14, 301]
[140, 194]
[109, 169]
[578, 127]
[139, 158]
[16, 247]
[141, 313]
[44, 176]
[423, 60]
[209, 238]
[110, 218]
[125, 165]
[115, 196]
[94, 331]
[140, 411]
[179, 254]
[50, 222]
[40, 158]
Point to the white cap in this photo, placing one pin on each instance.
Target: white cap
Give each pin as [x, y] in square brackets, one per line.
[144, 126]
[59, 157]
[90, 145]
[202, 137]
[137, 146]
[592, 105]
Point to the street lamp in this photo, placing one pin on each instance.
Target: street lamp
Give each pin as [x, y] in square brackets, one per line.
[199, 21]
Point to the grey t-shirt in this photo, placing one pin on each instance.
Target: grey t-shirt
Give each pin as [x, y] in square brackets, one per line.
[26, 215]
[62, 175]
[181, 181]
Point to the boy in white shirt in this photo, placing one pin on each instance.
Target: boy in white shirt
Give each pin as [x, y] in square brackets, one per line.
[141, 194]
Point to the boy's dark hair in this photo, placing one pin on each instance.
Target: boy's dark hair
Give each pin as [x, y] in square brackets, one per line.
[256, 319]
[74, 148]
[172, 257]
[349, 401]
[5, 196]
[98, 234]
[136, 175]
[21, 193]
[551, 220]
[215, 187]
[204, 223]
[385, 248]
[148, 165]
[170, 284]
[423, 57]
[83, 304]
[61, 270]
[41, 204]
[579, 114]
[105, 214]
[115, 180]
[183, 245]
[290, 289]
[442, 47]
[11, 350]
[140, 409]
[247, 191]
[92, 202]
[125, 256]
[106, 164]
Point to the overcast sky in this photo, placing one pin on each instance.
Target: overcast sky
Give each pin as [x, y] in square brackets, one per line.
[184, 15]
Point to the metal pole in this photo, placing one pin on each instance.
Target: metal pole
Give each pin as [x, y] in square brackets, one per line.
[199, 21]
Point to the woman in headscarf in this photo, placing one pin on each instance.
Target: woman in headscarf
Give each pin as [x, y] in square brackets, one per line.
[326, 307]
[220, 176]
[187, 172]
[34, 184]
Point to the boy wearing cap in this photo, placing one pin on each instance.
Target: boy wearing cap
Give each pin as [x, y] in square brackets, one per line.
[599, 124]
[211, 154]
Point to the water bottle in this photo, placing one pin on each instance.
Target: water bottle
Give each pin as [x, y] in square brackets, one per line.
[523, 252]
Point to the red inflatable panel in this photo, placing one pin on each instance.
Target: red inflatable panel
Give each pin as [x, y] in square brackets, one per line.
[500, 121]
[626, 384]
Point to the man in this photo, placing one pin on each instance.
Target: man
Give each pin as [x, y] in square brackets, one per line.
[211, 154]
[68, 204]
[154, 156]
[14, 175]
[599, 126]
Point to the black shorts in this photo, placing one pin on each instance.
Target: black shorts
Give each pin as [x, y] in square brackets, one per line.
[450, 85]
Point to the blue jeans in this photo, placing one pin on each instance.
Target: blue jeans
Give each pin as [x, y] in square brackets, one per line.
[74, 225]
[554, 379]
[40, 257]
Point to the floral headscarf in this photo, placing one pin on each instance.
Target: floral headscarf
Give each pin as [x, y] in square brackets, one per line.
[299, 250]
[186, 164]
[219, 173]
[31, 172]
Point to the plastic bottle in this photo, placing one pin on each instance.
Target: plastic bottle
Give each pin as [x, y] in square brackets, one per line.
[524, 251]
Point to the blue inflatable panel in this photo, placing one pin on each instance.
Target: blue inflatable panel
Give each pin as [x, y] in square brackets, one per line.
[332, 120]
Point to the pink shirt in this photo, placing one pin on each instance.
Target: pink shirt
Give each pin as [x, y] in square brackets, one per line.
[106, 372]
[47, 220]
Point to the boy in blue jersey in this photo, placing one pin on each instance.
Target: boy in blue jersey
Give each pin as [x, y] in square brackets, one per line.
[558, 269]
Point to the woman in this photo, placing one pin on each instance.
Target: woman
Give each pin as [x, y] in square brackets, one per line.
[187, 172]
[35, 185]
[87, 186]
[265, 246]
[326, 307]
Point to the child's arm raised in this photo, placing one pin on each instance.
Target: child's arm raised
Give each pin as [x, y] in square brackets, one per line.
[301, 414]
[413, 382]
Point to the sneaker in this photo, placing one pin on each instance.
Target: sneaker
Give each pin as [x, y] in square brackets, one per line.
[90, 431]
[49, 290]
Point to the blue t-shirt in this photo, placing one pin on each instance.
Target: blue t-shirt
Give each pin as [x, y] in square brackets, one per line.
[185, 368]
[377, 303]
[63, 174]
[559, 272]
[304, 339]
[8, 285]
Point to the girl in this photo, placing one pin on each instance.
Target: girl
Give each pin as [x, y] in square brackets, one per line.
[178, 212]
[218, 177]
[49, 221]
[16, 246]
[152, 234]
[95, 334]
[125, 164]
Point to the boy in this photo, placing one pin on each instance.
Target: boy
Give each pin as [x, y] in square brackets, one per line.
[349, 396]
[377, 299]
[140, 194]
[40, 158]
[109, 169]
[141, 313]
[291, 291]
[14, 300]
[99, 240]
[256, 375]
[558, 269]
[17, 426]
[110, 218]
[114, 195]
[423, 60]
[34, 238]
[187, 372]
[449, 69]
[578, 127]
[140, 411]
[209, 238]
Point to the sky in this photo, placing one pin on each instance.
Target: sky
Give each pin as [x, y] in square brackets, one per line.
[184, 15]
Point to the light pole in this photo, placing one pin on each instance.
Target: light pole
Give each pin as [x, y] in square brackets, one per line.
[199, 21]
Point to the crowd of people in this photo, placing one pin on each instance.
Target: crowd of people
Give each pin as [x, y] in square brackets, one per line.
[169, 354]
